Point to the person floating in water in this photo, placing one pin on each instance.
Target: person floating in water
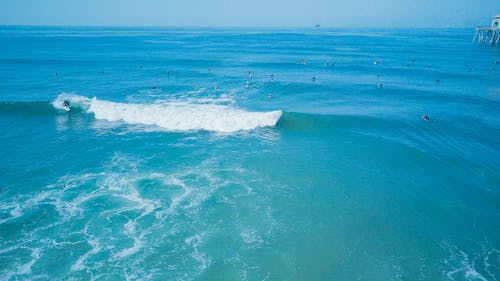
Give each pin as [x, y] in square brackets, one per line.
[314, 79]
[425, 118]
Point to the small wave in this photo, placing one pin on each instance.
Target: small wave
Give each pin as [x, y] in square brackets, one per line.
[174, 115]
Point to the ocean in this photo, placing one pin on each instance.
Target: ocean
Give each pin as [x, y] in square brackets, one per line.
[248, 154]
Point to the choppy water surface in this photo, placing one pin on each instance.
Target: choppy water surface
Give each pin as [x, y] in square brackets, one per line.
[242, 154]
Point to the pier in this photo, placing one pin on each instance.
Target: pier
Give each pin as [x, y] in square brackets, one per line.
[488, 35]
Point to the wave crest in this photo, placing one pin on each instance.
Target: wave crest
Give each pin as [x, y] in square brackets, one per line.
[174, 115]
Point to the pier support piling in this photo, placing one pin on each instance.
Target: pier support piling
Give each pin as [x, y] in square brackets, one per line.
[487, 36]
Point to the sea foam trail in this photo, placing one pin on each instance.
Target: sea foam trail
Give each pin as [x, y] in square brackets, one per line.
[174, 115]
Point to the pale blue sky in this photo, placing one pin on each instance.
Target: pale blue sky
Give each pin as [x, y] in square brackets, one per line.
[295, 13]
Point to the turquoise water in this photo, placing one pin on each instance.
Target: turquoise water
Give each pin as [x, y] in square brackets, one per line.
[213, 154]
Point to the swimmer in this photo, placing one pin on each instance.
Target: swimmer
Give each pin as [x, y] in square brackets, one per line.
[269, 96]
[425, 118]
[380, 85]
[250, 75]
[314, 79]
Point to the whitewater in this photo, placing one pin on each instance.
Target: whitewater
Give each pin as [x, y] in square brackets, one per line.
[173, 115]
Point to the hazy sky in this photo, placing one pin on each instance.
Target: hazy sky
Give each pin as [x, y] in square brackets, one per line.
[296, 13]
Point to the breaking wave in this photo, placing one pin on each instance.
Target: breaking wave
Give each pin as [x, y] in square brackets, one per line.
[174, 115]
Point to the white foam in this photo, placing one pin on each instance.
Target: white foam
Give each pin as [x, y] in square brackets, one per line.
[175, 115]
[466, 266]
[252, 238]
[132, 250]
[15, 213]
[204, 260]
[80, 263]
[24, 269]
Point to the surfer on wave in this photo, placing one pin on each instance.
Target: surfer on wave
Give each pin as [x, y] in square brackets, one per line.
[66, 105]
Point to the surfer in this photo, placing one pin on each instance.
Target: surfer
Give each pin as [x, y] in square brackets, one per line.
[66, 105]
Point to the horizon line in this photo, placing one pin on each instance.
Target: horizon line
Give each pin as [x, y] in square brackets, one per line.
[241, 26]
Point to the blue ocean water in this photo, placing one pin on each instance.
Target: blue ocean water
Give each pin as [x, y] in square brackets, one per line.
[248, 154]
